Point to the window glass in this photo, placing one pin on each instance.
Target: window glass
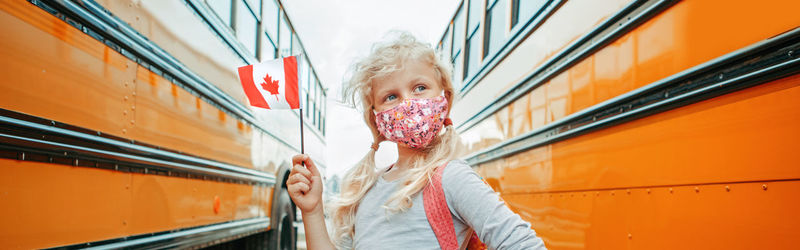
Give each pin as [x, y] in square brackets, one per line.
[473, 56]
[296, 48]
[324, 116]
[267, 48]
[526, 9]
[474, 17]
[222, 8]
[285, 37]
[255, 5]
[246, 28]
[496, 25]
[270, 19]
[447, 44]
[458, 31]
[458, 71]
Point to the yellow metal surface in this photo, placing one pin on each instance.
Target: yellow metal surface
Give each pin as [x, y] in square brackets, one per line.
[57, 72]
[718, 216]
[54, 71]
[49, 205]
[717, 174]
[749, 135]
[171, 117]
[687, 34]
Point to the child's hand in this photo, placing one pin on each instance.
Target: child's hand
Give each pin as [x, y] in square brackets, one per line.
[305, 185]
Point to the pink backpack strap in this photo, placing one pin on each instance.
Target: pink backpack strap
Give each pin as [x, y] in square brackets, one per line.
[438, 213]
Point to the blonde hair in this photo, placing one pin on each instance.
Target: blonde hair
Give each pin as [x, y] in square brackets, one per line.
[385, 59]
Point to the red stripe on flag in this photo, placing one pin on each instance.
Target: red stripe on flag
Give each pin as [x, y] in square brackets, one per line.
[250, 89]
[292, 85]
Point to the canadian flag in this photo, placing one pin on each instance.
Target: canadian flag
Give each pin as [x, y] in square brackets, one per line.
[272, 84]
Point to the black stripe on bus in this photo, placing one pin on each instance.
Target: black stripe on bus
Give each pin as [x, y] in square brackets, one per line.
[29, 138]
[756, 64]
[623, 21]
[199, 236]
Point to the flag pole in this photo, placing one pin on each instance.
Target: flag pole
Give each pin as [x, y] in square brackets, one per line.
[302, 150]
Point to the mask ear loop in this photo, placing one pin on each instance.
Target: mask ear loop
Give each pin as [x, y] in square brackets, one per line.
[447, 121]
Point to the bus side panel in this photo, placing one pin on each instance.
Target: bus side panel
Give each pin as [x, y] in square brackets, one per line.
[685, 35]
[718, 170]
[49, 205]
[569, 22]
[719, 216]
[171, 117]
[57, 72]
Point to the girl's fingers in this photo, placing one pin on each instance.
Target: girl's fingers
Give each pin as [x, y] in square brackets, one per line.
[297, 159]
[302, 187]
[301, 170]
[311, 166]
[297, 178]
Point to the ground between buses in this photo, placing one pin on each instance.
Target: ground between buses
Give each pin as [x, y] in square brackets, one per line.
[635, 124]
[119, 128]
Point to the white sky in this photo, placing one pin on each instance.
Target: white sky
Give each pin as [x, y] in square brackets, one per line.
[335, 33]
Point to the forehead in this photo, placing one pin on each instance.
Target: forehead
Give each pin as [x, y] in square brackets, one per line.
[411, 70]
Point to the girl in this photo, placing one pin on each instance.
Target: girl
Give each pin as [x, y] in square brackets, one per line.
[405, 92]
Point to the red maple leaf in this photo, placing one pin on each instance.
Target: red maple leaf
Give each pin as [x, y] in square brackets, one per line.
[271, 86]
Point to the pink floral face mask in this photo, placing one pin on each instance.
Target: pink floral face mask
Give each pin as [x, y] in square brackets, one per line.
[414, 122]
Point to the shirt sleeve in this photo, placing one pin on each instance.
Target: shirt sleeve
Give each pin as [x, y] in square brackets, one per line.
[477, 205]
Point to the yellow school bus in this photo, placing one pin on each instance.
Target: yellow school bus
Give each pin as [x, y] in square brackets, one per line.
[123, 125]
[627, 124]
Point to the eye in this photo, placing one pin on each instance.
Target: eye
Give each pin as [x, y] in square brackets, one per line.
[389, 98]
[420, 88]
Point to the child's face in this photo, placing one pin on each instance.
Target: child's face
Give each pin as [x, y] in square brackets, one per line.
[416, 80]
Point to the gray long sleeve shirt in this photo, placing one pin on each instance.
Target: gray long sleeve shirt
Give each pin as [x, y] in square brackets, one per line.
[472, 203]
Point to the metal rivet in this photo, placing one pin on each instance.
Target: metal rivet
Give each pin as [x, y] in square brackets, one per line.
[132, 122]
[648, 190]
[728, 188]
[764, 186]
[98, 133]
[612, 192]
[720, 76]
[145, 170]
[116, 167]
[126, 98]
[133, 107]
[790, 53]
[670, 190]
[630, 236]
[124, 130]
[628, 191]
[124, 112]
[22, 156]
[53, 123]
[697, 189]
[134, 94]
[124, 223]
[75, 162]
